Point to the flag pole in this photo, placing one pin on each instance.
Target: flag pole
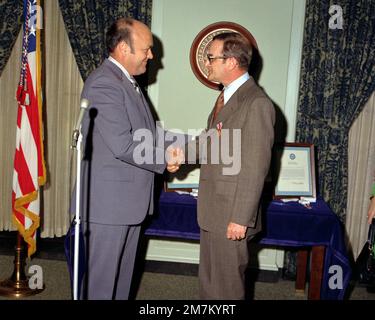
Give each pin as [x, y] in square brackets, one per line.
[17, 286]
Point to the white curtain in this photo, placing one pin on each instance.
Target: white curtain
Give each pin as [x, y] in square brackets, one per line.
[8, 106]
[361, 175]
[63, 85]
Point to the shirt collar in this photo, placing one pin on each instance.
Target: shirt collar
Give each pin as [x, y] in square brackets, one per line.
[233, 86]
[126, 73]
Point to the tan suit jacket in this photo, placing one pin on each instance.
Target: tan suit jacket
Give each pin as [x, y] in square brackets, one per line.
[235, 198]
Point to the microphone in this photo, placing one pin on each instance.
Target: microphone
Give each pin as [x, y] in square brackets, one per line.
[83, 107]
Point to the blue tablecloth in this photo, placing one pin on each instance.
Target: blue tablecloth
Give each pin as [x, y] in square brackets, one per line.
[285, 224]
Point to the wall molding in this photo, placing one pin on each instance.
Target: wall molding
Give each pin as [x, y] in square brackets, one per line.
[294, 67]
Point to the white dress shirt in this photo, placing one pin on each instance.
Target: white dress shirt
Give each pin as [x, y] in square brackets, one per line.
[233, 86]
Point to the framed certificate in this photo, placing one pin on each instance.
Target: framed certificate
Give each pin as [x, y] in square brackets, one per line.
[295, 171]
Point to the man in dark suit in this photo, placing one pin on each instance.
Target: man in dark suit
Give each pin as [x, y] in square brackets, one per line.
[118, 167]
[228, 201]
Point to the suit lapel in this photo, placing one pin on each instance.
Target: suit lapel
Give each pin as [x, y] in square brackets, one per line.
[234, 102]
[142, 105]
[146, 108]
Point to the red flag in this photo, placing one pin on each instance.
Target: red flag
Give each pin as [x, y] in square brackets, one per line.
[29, 169]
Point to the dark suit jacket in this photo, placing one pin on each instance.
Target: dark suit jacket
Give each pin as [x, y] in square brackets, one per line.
[116, 189]
[225, 198]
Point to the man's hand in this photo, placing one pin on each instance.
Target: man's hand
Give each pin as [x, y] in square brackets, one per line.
[236, 231]
[172, 168]
[175, 157]
[371, 211]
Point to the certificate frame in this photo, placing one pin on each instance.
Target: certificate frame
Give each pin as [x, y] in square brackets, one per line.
[295, 171]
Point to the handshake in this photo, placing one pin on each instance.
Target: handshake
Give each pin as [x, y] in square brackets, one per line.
[175, 157]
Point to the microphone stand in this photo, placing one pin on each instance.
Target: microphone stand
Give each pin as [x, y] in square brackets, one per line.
[77, 144]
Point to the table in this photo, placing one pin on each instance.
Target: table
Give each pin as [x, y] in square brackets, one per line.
[285, 224]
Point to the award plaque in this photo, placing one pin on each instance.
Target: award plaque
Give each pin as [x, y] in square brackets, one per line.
[198, 50]
[295, 171]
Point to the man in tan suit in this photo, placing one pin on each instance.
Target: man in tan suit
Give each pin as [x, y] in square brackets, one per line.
[229, 201]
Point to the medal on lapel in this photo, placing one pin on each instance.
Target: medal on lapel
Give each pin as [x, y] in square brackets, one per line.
[219, 126]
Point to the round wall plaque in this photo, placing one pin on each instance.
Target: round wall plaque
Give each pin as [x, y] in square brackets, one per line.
[198, 50]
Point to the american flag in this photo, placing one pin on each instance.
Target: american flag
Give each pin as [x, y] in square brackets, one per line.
[29, 169]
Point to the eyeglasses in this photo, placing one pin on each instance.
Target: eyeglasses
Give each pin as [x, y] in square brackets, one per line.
[211, 58]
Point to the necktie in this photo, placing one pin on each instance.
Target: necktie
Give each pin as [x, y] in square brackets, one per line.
[135, 85]
[219, 104]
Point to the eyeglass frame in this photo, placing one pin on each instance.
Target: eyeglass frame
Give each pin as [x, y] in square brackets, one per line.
[210, 58]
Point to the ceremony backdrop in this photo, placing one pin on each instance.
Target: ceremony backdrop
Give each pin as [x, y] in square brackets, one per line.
[63, 86]
[278, 29]
[87, 21]
[338, 78]
[10, 17]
